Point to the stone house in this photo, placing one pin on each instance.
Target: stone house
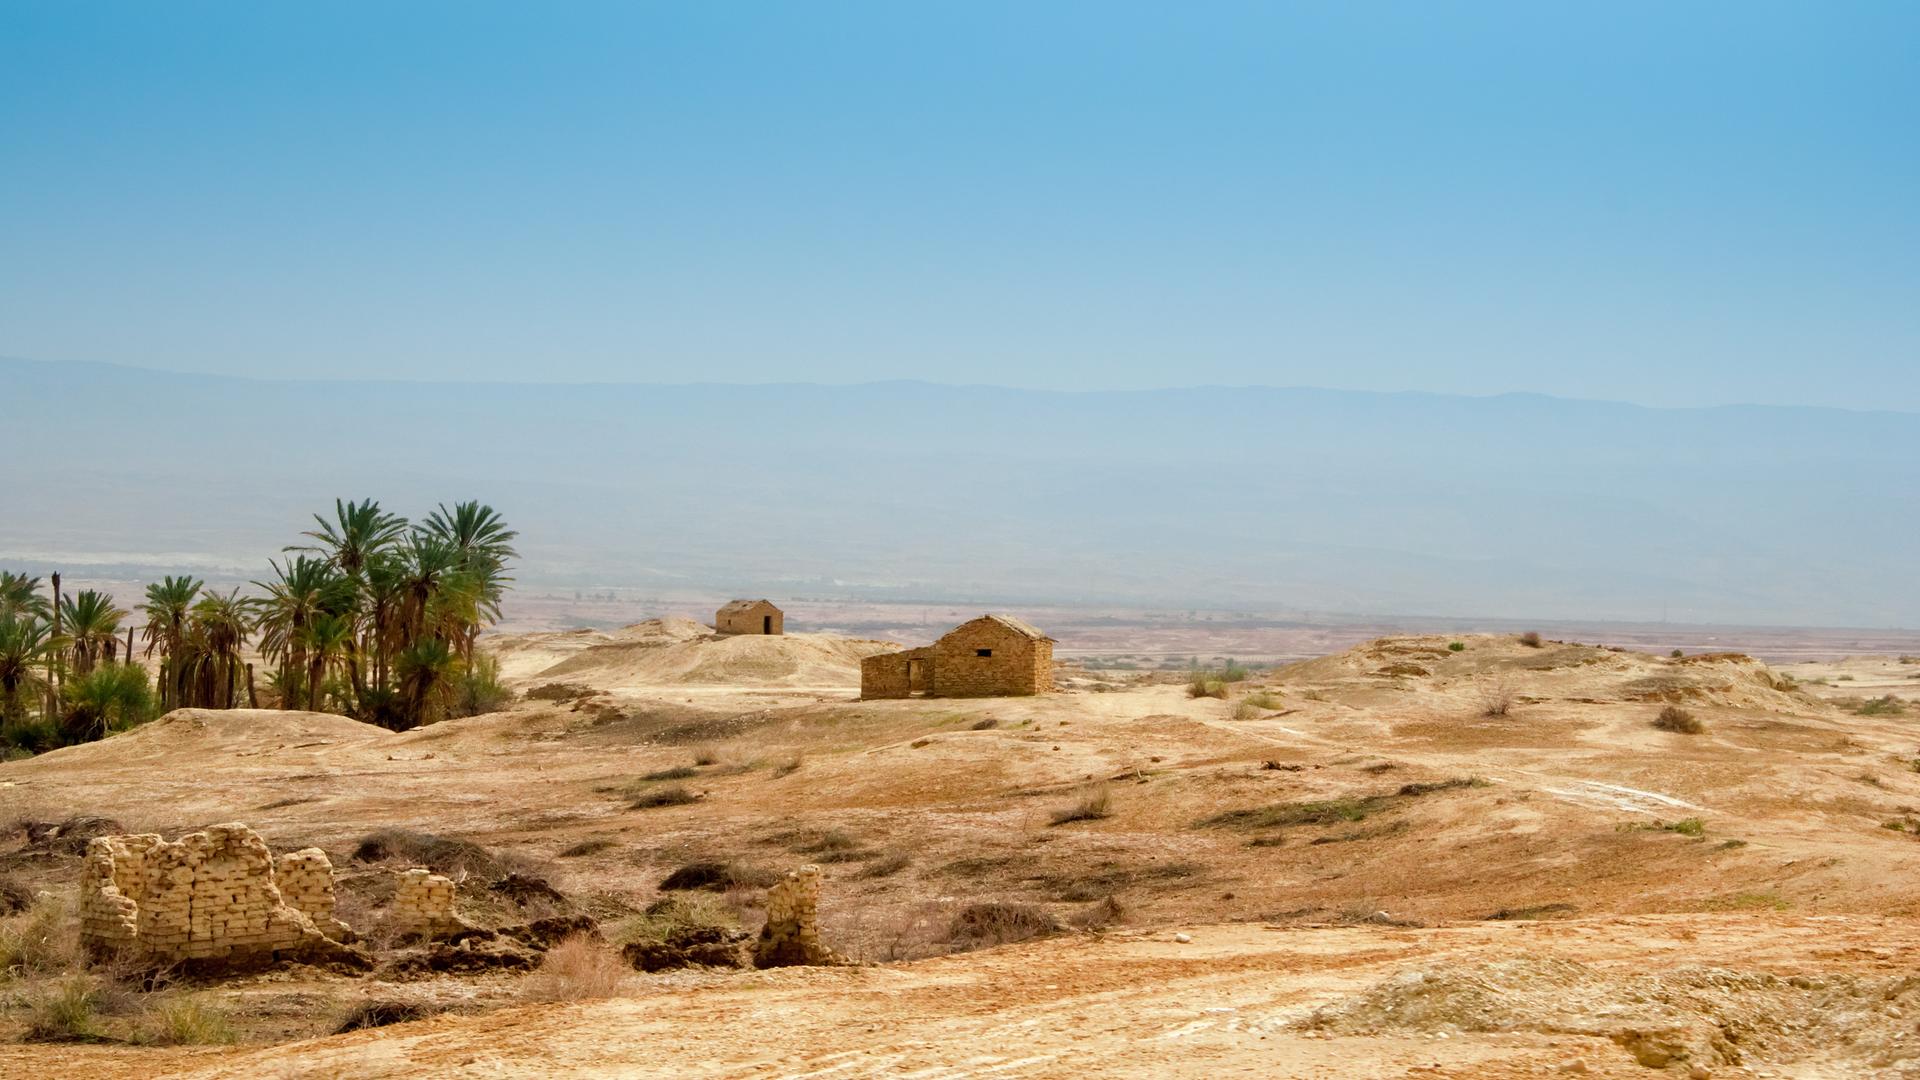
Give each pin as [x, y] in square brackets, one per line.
[750, 617]
[991, 656]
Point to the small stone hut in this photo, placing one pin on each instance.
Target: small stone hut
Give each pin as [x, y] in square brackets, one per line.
[750, 617]
[991, 656]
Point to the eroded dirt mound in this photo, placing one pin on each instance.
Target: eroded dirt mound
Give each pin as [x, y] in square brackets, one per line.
[184, 734]
[679, 652]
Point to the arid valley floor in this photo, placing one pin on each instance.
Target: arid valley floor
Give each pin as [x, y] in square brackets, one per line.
[1344, 868]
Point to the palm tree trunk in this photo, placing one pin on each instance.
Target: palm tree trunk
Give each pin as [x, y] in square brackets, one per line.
[53, 665]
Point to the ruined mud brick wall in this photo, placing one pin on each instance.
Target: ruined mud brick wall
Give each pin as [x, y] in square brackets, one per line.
[208, 896]
[887, 675]
[305, 880]
[750, 617]
[792, 934]
[423, 905]
[1019, 665]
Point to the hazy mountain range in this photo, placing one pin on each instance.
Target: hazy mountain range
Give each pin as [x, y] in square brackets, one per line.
[1256, 499]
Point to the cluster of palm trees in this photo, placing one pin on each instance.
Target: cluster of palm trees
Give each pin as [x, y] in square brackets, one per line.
[374, 617]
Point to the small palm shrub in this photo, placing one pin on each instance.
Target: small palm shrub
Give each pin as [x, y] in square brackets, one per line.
[480, 690]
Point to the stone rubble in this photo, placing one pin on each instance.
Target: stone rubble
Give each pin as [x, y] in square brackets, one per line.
[792, 934]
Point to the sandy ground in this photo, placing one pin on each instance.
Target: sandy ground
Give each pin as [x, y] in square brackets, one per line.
[1362, 841]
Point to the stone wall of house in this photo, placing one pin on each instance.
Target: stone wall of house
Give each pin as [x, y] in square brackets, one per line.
[752, 619]
[423, 905]
[888, 675]
[208, 896]
[791, 936]
[1018, 665]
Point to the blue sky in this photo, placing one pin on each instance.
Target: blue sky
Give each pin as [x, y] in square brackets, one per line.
[1696, 203]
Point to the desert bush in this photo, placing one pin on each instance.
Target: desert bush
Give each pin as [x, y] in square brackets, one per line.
[789, 764]
[673, 915]
[985, 725]
[1881, 706]
[706, 755]
[15, 896]
[998, 923]
[577, 969]
[187, 1022]
[888, 864]
[480, 690]
[1246, 710]
[441, 854]
[591, 846]
[65, 1011]
[1677, 654]
[718, 877]
[1094, 803]
[1531, 639]
[40, 941]
[1102, 914]
[1496, 698]
[1318, 812]
[1676, 719]
[1456, 646]
[678, 772]
[1205, 684]
[666, 796]
[380, 1012]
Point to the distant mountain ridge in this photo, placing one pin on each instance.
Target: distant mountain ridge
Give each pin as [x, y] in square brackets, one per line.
[1336, 501]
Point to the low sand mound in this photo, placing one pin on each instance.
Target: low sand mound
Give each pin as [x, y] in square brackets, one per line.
[1553, 669]
[680, 652]
[522, 655]
[184, 737]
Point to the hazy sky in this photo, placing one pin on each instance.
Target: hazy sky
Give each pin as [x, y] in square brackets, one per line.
[1669, 203]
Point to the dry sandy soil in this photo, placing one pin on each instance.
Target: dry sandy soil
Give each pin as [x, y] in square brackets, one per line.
[1375, 877]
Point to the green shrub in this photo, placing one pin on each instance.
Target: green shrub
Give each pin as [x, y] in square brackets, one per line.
[1676, 654]
[68, 1011]
[480, 690]
[1881, 706]
[1456, 646]
[110, 698]
[668, 917]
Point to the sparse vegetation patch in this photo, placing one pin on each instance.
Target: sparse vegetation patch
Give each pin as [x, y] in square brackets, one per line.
[1095, 803]
[1676, 719]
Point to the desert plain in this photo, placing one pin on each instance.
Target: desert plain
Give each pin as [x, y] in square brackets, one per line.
[1422, 855]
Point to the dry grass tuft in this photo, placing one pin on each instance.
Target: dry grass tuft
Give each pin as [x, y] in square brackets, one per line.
[590, 846]
[888, 864]
[717, 877]
[43, 940]
[68, 1010]
[441, 854]
[1676, 719]
[706, 755]
[1000, 922]
[678, 772]
[581, 968]
[670, 916]
[187, 1022]
[1095, 803]
[1496, 698]
[1531, 639]
[380, 1012]
[666, 796]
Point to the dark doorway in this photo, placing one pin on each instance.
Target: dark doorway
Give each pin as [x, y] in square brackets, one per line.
[766, 624]
[916, 678]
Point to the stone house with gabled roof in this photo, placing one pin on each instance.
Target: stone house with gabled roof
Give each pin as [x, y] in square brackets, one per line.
[750, 617]
[991, 656]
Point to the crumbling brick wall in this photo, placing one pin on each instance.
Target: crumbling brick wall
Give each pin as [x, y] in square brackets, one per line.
[791, 936]
[423, 905]
[305, 880]
[209, 896]
[890, 675]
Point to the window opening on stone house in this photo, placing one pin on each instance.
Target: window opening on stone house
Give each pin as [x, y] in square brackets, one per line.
[983, 652]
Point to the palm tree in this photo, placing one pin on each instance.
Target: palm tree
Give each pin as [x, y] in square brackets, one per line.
[210, 662]
[481, 537]
[26, 648]
[306, 589]
[20, 596]
[168, 606]
[92, 627]
[111, 697]
[329, 642]
[358, 532]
